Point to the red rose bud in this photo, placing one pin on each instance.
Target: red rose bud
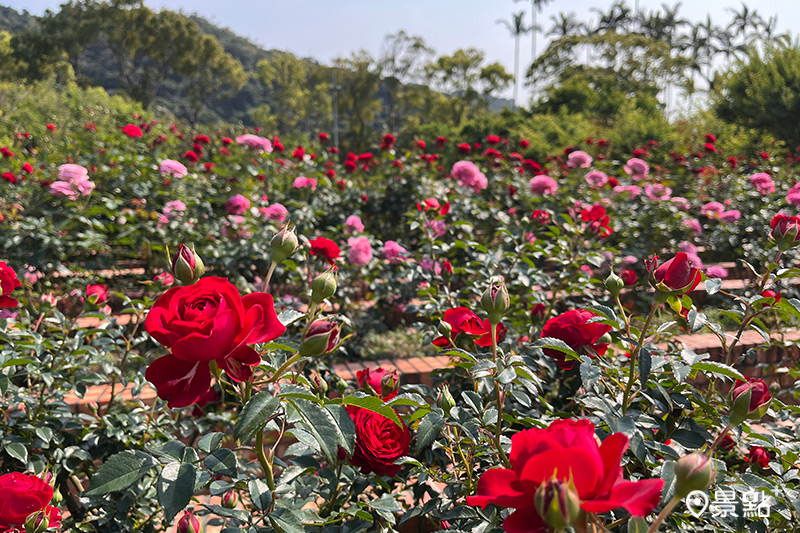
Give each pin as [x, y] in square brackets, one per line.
[324, 286]
[538, 312]
[189, 524]
[692, 472]
[678, 275]
[727, 443]
[629, 277]
[230, 499]
[758, 456]
[749, 400]
[771, 294]
[557, 503]
[187, 267]
[785, 231]
[283, 244]
[321, 338]
[319, 382]
[37, 522]
[379, 381]
[495, 299]
[614, 284]
[97, 294]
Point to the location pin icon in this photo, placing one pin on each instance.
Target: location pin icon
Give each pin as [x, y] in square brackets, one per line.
[697, 503]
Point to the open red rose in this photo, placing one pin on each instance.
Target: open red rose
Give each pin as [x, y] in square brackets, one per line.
[566, 450]
[574, 329]
[463, 321]
[204, 322]
[325, 248]
[23, 495]
[759, 456]
[379, 442]
[8, 282]
[97, 294]
[382, 382]
[679, 274]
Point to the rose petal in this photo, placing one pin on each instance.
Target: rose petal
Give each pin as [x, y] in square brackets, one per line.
[582, 466]
[500, 487]
[638, 497]
[524, 520]
[180, 383]
[239, 364]
[611, 451]
[261, 320]
[215, 344]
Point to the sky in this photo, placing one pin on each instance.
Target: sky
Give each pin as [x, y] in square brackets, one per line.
[326, 29]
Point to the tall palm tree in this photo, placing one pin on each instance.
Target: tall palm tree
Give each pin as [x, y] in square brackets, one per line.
[536, 6]
[564, 25]
[744, 20]
[517, 28]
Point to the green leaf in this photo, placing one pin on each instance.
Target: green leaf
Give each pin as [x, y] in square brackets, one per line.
[590, 374]
[374, 404]
[175, 488]
[321, 424]
[713, 285]
[696, 320]
[638, 525]
[718, 369]
[555, 344]
[429, 428]
[260, 494]
[211, 442]
[120, 472]
[289, 317]
[255, 414]
[222, 462]
[17, 451]
[645, 365]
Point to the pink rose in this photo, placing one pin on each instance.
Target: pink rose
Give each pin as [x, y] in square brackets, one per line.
[595, 178]
[579, 159]
[542, 185]
[353, 224]
[302, 182]
[360, 252]
[237, 205]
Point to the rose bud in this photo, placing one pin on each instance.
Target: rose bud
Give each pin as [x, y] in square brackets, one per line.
[749, 400]
[189, 523]
[557, 503]
[379, 381]
[97, 294]
[187, 267]
[727, 443]
[284, 244]
[771, 294]
[629, 277]
[37, 522]
[321, 338]
[785, 231]
[324, 285]
[758, 456]
[538, 312]
[678, 275]
[319, 382]
[692, 472]
[614, 284]
[495, 299]
[446, 401]
[230, 499]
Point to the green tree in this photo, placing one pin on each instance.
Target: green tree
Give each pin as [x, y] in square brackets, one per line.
[399, 63]
[218, 76]
[517, 28]
[359, 80]
[764, 93]
[298, 92]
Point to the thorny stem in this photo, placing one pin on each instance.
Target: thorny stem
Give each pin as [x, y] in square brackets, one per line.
[271, 271]
[266, 463]
[663, 515]
[635, 355]
[499, 395]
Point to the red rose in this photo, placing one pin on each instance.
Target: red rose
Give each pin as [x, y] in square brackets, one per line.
[379, 442]
[191, 156]
[388, 141]
[132, 130]
[677, 275]
[597, 220]
[758, 455]
[463, 321]
[785, 231]
[749, 400]
[10, 177]
[97, 294]
[325, 248]
[574, 329]
[538, 311]
[23, 495]
[565, 450]
[382, 382]
[628, 277]
[464, 148]
[204, 322]
[8, 282]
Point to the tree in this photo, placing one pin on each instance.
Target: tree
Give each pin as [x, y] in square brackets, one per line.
[563, 25]
[466, 81]
[536, 6]
[218, 76]
[517, 28]
[297, 93]
[399, 63]
[765, 93]
[359, 78]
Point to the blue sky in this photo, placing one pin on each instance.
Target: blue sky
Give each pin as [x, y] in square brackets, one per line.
[326, 29]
